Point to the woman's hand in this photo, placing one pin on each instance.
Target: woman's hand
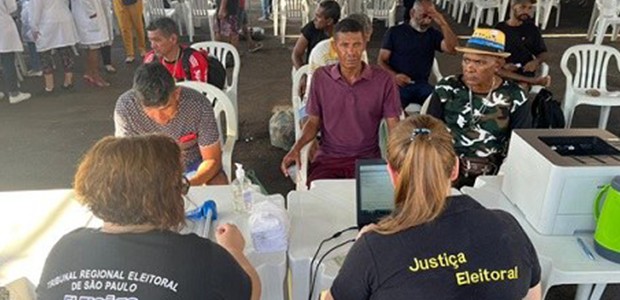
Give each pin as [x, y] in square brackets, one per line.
[229, 237]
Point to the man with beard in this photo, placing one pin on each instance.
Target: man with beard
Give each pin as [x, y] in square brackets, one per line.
[479, 107]
[408, 51]
[526, 46]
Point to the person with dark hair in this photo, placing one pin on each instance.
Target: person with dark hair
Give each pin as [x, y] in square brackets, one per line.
[436, 245]
[156, 105]
[136, 186]
[408, 51]
[347, 102]
[479, 107]
[326, 16]
[525, 44]
[324, 53]
[163, 34]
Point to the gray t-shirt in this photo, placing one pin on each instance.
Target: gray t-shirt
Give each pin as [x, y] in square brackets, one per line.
[193, 126]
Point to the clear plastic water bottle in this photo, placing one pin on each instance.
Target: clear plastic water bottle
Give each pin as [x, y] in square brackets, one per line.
[242, 191]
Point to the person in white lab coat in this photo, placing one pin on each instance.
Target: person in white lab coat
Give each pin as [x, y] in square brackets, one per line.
[94, 30]
[53, 28]
[9, 44]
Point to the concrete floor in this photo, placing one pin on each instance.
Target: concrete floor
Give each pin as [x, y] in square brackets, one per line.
[44, 138]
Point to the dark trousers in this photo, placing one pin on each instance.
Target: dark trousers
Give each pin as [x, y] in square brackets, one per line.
[10, 73]
[331, 168]
[106, 55]
[415, 93]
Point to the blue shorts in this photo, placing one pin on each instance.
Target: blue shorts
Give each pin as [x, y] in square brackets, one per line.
[415, 93]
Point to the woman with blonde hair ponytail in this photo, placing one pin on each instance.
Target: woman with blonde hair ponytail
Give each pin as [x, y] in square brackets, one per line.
[436, 245]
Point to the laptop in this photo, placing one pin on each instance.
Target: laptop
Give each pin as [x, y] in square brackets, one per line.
[375, 192]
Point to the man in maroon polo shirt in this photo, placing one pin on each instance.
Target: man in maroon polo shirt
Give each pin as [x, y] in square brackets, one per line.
[347, 102]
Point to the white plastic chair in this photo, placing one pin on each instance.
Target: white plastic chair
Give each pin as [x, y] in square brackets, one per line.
[604, 14]
[384, 10]
[544, 71]
[298, 102]
[285, 10]
[211, 15]
[221, 51]
[480, 6]
[591, 64]
[200, 9]
[415, 108]
[181, 13]
[221, 104]
[546, 7]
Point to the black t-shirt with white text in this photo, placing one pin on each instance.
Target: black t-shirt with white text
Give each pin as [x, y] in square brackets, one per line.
[468, 252]
[90, 264]
[523, 42]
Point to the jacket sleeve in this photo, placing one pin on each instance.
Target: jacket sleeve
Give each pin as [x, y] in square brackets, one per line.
[36, 8]
[90, 7]
[11, 6]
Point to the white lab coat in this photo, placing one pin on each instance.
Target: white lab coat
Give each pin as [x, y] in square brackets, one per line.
[54, 22]
[9, 37]
[97, 30]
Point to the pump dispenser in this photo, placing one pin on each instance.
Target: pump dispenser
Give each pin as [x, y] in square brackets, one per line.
[242, 190]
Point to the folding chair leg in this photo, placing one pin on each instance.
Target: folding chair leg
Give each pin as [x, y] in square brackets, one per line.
[604, 118]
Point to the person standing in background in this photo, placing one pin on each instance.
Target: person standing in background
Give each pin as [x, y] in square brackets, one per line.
[53, 28]
[9, 44]
[265, 8]
[106, 51]
[94, 32]
[227, 23]
[130, 18]
[35, 63]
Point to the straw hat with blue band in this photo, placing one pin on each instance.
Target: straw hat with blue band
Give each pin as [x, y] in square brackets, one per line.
[486, 41]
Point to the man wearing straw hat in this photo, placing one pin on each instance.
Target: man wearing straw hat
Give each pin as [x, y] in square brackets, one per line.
[479, 107]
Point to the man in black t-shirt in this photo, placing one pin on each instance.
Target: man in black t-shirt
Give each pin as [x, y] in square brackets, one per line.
[321, 28]
[526, 46]
[408, 51]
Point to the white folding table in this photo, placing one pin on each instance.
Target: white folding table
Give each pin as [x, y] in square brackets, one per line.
[563, 261]
[329, 206]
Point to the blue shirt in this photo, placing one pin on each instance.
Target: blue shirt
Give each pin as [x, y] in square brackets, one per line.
[413, 52]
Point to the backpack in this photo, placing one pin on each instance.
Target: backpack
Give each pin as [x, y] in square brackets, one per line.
[216, 73]
[546, 111]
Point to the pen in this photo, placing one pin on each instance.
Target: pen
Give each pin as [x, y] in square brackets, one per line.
[585, 249]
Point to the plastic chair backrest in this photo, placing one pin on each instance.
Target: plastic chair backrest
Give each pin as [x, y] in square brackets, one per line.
[297, 101]
[294, 9]
[221, 51]
[435, 70]
[155, 9]
[221, 104]
[381, 8]
[591, 64]
[200, 8]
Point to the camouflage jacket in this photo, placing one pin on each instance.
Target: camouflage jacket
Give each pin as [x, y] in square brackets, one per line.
[485, 132]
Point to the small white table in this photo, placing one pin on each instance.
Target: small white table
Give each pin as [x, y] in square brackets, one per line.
[329, 206]
[316, 214]
[563, 261]
[271, 267]
[33, 221]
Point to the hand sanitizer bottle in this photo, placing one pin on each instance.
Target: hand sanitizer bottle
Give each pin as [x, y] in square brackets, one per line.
[242, 191]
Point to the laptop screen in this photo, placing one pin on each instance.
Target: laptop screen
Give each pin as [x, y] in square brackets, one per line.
[375, 192]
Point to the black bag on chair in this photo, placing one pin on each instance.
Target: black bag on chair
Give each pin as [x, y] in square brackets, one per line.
[546, 111]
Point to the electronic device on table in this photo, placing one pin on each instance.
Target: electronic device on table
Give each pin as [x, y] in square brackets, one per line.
[554, 175]
[374, 191]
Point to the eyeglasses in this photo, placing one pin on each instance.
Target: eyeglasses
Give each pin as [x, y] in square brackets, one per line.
[185, 186]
